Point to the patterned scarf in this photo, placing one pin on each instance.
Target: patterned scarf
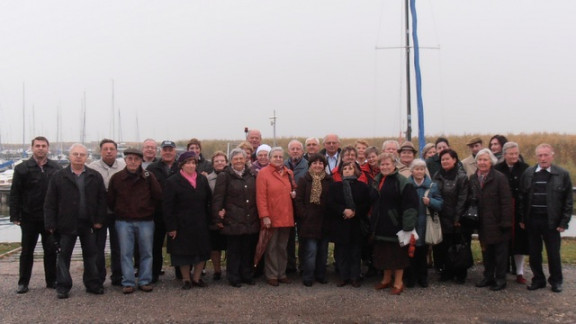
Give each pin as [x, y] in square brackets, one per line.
[316, 186]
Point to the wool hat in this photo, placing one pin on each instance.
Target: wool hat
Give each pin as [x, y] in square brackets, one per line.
[263, 147]
[187, 155]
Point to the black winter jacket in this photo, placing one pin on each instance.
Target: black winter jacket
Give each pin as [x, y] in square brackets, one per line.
[29, 186]
[62, 198]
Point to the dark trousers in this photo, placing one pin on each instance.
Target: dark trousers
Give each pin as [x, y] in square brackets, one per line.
[115, 266]
[496, 261]
[348, 258]
[30, 232]
[418, 269]
[538, 231]
[240, 257]
[157, 257]
[90, 277]
[314, 256]
[291, 250]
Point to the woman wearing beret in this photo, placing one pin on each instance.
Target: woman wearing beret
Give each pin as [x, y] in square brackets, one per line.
[187, 201]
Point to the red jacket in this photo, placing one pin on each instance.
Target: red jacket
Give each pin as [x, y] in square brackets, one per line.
[273, 196]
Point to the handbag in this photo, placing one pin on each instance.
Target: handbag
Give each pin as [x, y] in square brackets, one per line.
[471, 215]
[460, 255]
[433, 227]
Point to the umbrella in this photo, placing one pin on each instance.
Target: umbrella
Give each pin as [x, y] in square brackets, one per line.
[263, 239]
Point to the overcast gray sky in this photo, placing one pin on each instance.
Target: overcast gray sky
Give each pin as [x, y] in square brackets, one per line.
[209, 68]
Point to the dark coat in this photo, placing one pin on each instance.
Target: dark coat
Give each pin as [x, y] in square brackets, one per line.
[520, 239]
[63, 196]
[494, 201]
[133, 197]
[559, 196]
[161, 173]
[395, 209]
[347, 231]
[29, 186]
[237, 196]
[187, 211]
[311, 217]
[453, 186]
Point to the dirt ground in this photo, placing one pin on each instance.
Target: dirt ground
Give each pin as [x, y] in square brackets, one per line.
[289, 303]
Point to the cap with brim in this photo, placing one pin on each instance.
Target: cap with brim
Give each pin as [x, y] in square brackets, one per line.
[133, 151]
[474, 140]
[167, 144]
[407, 146]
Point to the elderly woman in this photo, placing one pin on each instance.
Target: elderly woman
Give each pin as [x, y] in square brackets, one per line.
[217, 240]
[187, 200]
[274, 194]
[262, 158]
[429, 200]
[394, 210]
[489, 188]
[234, 212]
[453, 185]
[513, 167]
[428, 151]
[371, 167]
[348, 203]
[204, 166]
[407, 154]
[311, 209]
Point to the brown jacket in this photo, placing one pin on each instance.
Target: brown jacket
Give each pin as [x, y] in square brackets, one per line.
[134, 197]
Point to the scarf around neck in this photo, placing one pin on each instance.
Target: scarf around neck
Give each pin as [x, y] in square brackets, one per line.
[316, 191]
[348, 198]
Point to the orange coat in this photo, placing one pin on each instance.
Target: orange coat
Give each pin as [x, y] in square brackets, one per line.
[273, 196]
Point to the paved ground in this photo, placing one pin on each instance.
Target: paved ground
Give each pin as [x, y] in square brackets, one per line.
[294, 303]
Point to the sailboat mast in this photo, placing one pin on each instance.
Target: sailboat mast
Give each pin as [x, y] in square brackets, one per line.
[23, 114]
[407, 47]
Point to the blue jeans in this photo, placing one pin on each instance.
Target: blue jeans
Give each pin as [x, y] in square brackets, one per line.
[315, 255]
[128, 233]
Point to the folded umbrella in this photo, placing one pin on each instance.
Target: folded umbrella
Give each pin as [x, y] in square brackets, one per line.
[263, 239]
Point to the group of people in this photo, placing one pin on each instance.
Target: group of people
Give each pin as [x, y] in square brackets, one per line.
[254, 202]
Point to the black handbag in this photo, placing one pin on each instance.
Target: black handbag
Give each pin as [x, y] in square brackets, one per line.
[460, 254]
[470, 216]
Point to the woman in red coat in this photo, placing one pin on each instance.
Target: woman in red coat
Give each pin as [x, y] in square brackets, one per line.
[274, 194]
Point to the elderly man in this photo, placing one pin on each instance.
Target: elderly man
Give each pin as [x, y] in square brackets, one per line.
[312, 145]
[331, 151]
[545, 209]
[29, 185]
[75, 206]
[133, 194]
[254, 137]
[391, 146]
[107, 166]
[149, 150]
[162, 170]
[299, 166]
[469, 163]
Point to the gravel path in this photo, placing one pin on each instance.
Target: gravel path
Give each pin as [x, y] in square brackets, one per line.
[293, 303]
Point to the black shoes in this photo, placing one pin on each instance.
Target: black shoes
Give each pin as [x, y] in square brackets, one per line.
[217, 276]
[498, 286]
[187, 285]
[62, 295]
[95, 291]
[51, 285]
[536, 285]
[307, 283]
[235, 284]
[485, 283]
[22, 289]
[557, 288]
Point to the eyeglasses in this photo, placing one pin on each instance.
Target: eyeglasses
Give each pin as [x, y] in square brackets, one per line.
[76, 154]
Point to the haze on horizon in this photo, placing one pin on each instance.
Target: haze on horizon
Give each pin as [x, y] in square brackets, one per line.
[207, 69]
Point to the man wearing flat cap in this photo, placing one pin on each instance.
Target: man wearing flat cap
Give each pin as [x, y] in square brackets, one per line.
[469, 163]
[133, 194]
